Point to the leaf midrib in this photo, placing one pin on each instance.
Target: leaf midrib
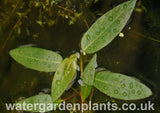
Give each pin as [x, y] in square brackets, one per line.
[104, 30]
[41, 60]
[69, 65]
[106, 82]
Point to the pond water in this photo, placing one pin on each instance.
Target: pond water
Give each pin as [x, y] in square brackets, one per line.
[136, 54]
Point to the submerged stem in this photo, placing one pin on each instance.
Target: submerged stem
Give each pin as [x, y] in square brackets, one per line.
[81, 64]
[81, 68]
[70, 97]
[90, 99]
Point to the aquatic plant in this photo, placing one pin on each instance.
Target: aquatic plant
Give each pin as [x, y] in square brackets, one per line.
[100, 34]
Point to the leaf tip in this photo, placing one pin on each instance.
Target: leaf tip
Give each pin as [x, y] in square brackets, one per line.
[95, 55]
[149, 92]
[11, 52]
[74, 56]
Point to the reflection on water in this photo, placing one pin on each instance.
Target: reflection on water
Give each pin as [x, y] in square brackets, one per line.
[136, 54]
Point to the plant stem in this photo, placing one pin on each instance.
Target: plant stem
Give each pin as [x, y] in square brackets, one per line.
[65, 9]
[81, 64]
[11, 32]
[75, 91]
[150, 38]
[14, 9]
[90, 99]
[81, 68]
[85, 21]
[81, 61]
[70, 97]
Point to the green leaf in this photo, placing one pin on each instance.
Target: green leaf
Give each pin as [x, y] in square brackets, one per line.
[107, 27]
[37, 58]
[89, 71]
[88, 77]
[85, 90]
[38, 103]
[120, 86]
[63, 76]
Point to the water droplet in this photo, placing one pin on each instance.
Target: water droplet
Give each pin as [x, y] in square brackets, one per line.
[49, 66]
[139, 92]
[31, 62]
[117, 22]
[88, 37]
[110, 18]
[90, 69]
[105, 87]
[123, 86]
[98, 22]
[95, 47]
[131, 85]
[98, 33]
[68, 72]
[20, 51]
[125, 6]
[103, 39]
[15, 55]
[57, 72]
[133, 91]
[115, 91]
[116, 79]
[49, 58]
[58, 82]
[124, 94]
[140, 86]
[115, 30]
[101, 28]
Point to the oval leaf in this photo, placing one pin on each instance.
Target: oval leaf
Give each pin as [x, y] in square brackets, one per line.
[89, 71]
[120, 86]
[88, 77]
[63, 76]
[37, 58]
[38, 103]
[107, 27]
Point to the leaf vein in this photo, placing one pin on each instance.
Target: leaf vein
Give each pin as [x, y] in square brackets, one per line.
[38, 59]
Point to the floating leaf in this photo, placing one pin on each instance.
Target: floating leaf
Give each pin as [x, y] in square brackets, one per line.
[89, 71]
[63, 76]
[120, 86]
[37, 58]
[107, 27]
[38, 103]
[88, 77]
